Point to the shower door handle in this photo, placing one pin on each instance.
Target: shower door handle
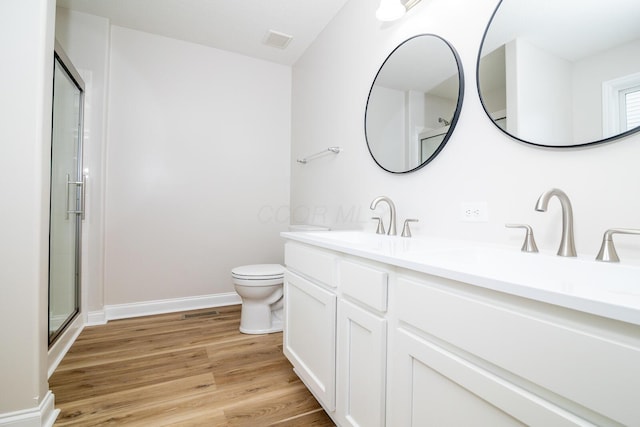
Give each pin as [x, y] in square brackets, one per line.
[83, 192]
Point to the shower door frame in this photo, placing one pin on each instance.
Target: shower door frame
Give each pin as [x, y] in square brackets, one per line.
[76, 187]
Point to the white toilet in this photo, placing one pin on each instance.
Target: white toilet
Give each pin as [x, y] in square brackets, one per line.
[260, 288]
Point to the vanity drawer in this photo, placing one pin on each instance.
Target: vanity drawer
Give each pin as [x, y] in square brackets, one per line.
[588, 365]
[313, 263]
[364, 283]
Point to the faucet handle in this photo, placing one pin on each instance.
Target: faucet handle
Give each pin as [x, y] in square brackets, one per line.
[406, 231]
[529, 244]
[607, 251]
[380, 228]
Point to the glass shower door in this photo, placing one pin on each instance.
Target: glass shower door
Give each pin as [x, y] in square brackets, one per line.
[67, 197]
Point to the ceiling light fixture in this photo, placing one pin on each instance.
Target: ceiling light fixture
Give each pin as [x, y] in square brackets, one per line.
[391, 10]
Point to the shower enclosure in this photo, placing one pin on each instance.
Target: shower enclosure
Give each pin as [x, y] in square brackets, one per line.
[67, 195]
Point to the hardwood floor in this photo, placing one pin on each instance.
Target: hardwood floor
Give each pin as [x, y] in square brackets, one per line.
[181, 369]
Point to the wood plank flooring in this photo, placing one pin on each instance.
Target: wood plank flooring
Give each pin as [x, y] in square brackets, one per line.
[177, 370]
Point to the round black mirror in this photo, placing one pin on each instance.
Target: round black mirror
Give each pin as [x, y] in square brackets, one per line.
[414, 103]
[562, 73]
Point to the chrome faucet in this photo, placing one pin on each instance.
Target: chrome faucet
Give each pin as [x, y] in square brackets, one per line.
[567, 244]
[392, 208]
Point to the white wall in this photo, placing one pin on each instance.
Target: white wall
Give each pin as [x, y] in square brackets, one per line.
[438, 107]
[197, 165]
[494, 82]
[26, 43]
[539, 106]
[388, 124]
[330, 86]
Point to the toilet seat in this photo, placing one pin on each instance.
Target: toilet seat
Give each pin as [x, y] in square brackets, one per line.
[258, 272]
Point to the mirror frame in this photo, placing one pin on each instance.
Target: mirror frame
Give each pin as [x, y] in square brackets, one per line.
[456, 113]
[558, 147]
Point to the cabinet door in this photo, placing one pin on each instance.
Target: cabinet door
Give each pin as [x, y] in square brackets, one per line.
[587, 365]
[310, 336]
[432, 387]
[361, 367]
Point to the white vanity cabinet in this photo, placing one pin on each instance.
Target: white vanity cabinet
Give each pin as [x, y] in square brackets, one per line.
[463, 356]
[362, 344]
[335, 332]
[310, 319]
[382, 343]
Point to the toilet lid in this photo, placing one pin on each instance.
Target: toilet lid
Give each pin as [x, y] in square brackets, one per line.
[258, 272]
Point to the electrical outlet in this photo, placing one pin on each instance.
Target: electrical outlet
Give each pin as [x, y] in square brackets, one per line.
[474, 212]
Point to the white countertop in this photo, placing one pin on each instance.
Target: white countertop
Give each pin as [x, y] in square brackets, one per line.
[610, 290]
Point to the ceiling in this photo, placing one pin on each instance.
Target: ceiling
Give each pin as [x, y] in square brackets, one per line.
[234, 25]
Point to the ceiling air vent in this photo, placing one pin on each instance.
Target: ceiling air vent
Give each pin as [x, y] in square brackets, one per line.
[277, 39]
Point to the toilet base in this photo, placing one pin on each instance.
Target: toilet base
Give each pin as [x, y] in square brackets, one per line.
[276, 327]
[260, 318]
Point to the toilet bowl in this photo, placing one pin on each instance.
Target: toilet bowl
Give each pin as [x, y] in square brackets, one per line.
[260, 288]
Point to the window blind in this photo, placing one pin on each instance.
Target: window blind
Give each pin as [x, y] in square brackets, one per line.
[632, 106]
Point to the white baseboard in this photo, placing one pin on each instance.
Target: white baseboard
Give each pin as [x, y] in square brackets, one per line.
[63, 344]
[43, 415]
[147, 308]
[98, 317]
